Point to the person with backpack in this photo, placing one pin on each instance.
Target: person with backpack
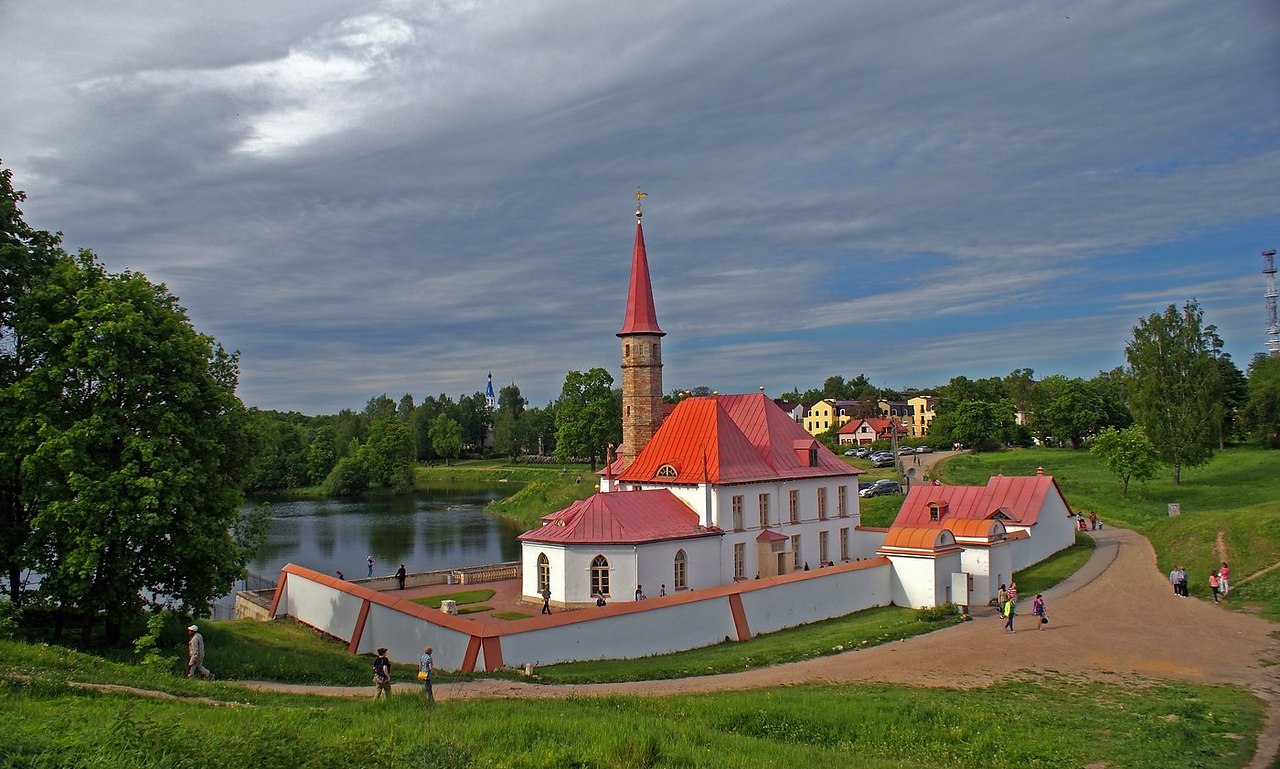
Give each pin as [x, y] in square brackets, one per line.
[1010, 609]
[382, 674]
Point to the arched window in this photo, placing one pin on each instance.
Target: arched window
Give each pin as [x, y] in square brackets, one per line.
[666, 471]
[544, 572]
[681, 578]
[600, 576]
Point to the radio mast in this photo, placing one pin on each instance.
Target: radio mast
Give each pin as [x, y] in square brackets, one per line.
[1273, 328]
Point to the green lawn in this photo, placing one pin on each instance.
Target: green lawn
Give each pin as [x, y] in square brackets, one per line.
[1045, 721]
[463, 598]
[1234, 495]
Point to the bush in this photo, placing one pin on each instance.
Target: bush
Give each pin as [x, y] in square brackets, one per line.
[939, 613]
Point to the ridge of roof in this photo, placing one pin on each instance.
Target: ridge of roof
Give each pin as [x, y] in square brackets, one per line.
[724, 439]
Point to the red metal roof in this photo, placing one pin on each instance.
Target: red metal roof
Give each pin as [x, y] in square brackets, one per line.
[1017, 498]
[621, 517]
[641, 317]
[732, 439]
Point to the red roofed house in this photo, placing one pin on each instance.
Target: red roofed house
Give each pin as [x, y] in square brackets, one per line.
[723, 488]
[1007, 525]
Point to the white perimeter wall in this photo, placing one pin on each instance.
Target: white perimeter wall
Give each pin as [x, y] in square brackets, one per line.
[675, 623]
[923, 581]
[796, 603]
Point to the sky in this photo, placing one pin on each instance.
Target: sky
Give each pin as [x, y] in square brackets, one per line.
[392, 196]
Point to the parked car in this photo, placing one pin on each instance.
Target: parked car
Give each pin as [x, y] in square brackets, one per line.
[865, 485]
[905, 450]
[862, 453]
[883, 460]
[851, 452]
[924, 449]
[881, 487]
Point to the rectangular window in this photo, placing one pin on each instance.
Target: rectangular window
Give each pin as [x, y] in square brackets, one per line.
[844, 544]
[822, 504]
[737, 512]
[764, 510]
[793, 505]
[842, 501]
[822, 547]
[795, 552]
[739, 560]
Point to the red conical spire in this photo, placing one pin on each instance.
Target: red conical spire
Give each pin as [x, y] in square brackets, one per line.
[641, 317]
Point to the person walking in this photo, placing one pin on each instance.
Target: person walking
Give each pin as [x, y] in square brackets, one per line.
[1173, 580]
[1037, 609]
[1013, 591]
[1224, 584]
[1010, 608]
[195, 654]
[546, 599]
[1002, 597]
[1093, 521]
[1215, 584]
[426, 673]
[370, 561]
[1182, 583]
[400, 575]
[382, 674]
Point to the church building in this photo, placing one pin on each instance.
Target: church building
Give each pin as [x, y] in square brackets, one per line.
[726, 488]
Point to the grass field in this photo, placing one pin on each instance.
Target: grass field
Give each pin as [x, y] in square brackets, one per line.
[1044, 722]
[1234, 496]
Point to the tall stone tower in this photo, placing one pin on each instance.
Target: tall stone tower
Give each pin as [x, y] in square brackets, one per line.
[641, 355]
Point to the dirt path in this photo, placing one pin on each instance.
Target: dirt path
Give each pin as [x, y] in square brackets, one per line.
[1116, 618]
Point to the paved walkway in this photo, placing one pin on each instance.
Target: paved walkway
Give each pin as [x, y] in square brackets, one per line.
[1115, 619]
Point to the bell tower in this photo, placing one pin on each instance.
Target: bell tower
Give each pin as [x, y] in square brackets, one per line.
[641, 355]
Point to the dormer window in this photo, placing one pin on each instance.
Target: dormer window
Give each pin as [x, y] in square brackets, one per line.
[813, 457]
[666, 471]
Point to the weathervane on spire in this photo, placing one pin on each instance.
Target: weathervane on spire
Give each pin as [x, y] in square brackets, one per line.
[639, 197]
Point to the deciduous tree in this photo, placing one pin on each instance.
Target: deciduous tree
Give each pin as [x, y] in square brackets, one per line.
[1173, 386]
[1261, 413]
[1127, 453]
[446, 437]
[137, 444]
[588, 416]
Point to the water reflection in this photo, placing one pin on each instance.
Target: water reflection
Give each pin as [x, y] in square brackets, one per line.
[435, 529]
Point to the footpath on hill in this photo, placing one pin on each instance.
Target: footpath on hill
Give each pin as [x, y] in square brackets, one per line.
[1113, 620]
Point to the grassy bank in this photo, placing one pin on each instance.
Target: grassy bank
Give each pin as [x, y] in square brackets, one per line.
[1232, 497]
[1044, 722]
[537, 489]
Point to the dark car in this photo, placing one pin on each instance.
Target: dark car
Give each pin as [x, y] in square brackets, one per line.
[882, 487]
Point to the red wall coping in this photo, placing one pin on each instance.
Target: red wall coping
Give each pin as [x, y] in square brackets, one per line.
[543, 621]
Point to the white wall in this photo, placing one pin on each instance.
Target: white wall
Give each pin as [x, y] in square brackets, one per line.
[923, 581]
[656, 630]
[832, 594]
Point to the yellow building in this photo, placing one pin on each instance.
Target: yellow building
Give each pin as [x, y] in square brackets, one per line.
[829, 412]
[921, 415]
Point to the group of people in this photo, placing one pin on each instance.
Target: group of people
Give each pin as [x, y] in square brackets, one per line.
[1007, 599]
[382, 674]
[401, 573]
[1219, 581]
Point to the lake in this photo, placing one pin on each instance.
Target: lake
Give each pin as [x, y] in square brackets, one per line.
[433, 529]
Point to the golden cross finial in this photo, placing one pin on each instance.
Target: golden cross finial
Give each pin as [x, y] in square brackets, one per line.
[639, 197]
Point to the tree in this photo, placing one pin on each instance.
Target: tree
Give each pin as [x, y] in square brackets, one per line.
[1021, 386]
[388, 455]
[1174, 384]
[348, 477]
[1067, 409]
[134, 437]
[446, 437]
[507, 434]
[1260, 416]
[982, 425]
[1112, 388]
[1127, 453]
[588, 416]
[26, 258]
[322, 455]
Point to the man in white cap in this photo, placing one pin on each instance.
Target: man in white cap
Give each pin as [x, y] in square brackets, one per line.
[195, 654]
